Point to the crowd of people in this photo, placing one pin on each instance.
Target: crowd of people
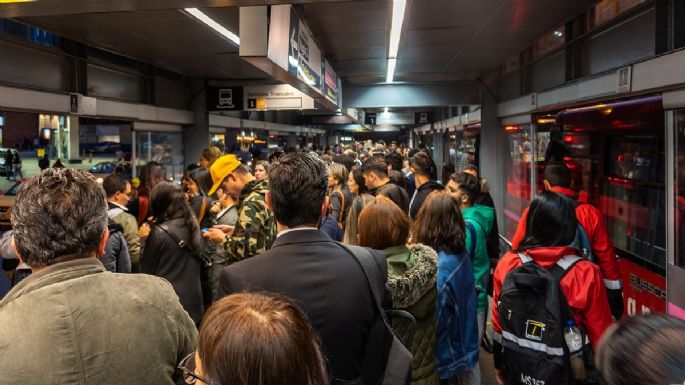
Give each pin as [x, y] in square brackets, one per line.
[271, 264]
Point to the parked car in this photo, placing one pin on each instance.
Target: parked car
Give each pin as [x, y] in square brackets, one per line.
[6, 206]
[104, 169]
[4, 169]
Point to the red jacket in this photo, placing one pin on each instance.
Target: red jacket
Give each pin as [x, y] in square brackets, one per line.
[590, 218]
[582, 286]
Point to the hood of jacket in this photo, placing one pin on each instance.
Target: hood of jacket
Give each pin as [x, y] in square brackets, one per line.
[484, 215]
[412, 272]
[253, 187]
[548, 256]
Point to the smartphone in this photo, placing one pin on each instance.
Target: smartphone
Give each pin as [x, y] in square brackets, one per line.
[205, 230]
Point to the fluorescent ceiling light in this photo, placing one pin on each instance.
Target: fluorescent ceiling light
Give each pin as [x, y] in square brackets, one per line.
[391, 70]
[398, 7]
[213, 25]
[385, 110]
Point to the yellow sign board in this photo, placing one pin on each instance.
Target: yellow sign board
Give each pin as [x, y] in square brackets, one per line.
[40, 152]
[261, 103]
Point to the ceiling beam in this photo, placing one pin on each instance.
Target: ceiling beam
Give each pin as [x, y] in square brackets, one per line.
[79, 7]
[411, 95]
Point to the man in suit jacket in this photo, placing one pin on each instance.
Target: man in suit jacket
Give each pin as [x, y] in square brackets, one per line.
[306, 265]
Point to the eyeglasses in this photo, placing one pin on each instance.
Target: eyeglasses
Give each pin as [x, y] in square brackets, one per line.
[187, 367]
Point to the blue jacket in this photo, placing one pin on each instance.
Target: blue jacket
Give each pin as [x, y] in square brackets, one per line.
[457, 329]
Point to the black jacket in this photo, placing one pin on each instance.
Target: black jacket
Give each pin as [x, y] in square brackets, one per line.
[395, 193]
[493, 237]
[329, 285]
[180, 266]
[420, 195]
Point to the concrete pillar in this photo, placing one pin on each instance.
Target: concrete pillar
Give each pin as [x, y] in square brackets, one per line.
[492, 150]
[292, 140]
[196, 137]
[74, 155]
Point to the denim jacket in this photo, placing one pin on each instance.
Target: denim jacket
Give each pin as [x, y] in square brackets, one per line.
[457, 329]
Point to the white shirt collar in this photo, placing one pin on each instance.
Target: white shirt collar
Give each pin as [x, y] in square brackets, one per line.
[295, 229]
[118, 205]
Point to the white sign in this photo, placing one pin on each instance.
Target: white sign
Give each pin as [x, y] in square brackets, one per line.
[398, 118]
[276, 97]
[624, 79]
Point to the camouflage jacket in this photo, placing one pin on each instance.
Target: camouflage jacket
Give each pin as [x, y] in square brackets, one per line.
[255, 229]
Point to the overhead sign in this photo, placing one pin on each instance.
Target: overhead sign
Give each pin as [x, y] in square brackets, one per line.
[395, 118]
[331, 85]
[276, 97]
[224, 98]
[422, 117]
[304, 55]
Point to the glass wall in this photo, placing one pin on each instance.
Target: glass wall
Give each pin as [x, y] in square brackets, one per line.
[165, 148]
[518, 163]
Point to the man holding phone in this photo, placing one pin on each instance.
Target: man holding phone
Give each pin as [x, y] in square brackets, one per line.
[255, 229]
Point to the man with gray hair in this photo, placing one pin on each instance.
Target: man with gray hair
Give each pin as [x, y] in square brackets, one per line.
[71, 321]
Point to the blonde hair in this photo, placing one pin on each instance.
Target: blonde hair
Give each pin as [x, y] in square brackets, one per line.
[352, 221]
[340, 172]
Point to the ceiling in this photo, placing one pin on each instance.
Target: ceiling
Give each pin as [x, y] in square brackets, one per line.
[443, 40]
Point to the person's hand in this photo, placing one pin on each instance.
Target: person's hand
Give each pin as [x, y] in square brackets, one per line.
[214, 235]
[226, 229]
[144, 230]
[499, 376]
[216, 207]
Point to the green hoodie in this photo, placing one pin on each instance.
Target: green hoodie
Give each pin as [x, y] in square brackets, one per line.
[482, 218]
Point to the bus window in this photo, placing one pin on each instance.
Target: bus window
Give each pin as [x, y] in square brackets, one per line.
[680, 187]
[633, 198]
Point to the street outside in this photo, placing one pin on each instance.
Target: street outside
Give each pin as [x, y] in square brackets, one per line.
[29, 167]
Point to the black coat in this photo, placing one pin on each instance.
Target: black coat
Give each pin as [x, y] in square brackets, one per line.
[180, 266]
[395, 193]
[329, 285]
[420, 196]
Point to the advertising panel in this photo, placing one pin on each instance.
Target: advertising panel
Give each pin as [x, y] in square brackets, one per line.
[643, 290]
[330, 83]
[304, 56]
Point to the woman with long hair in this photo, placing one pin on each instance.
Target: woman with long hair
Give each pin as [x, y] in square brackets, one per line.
[355, 181]
[255, 339]
[551, 227]
[351, 236]
[261, 170]
[412, 275]
[439, 224]
[339, 194]
[150, 176]
[173, 248]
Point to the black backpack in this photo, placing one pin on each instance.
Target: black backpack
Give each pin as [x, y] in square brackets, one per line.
[533, 311]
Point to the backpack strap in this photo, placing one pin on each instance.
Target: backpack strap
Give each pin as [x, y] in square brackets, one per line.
[143, 203]
[525, 258]
[203, 209]
[180, 242]
[563, 265]
[342, 208]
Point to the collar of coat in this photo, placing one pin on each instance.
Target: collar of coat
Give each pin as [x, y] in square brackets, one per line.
[409, 288]
[255, 186]
[57, 273]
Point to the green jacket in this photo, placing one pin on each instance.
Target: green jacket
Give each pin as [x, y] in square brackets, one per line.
[481, 217]
[75, 323]
[255, 229]
[412, 274]
[130, 230]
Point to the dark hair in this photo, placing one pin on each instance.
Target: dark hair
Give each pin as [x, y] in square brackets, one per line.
[150, 175]
[167, 202]
[423, 164]
[358, 177]
[113, 184]
[376, 166]
[551, 221]
[413, 152]
[447, 170]
[383, 224]
[202, 178]
[439, 223]
[259, 339]
[298, 184]
[60, 213]
[470, 167]
[558, 175]
[468, 184]
[395, 161]
[345, 160]
[643, 350]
